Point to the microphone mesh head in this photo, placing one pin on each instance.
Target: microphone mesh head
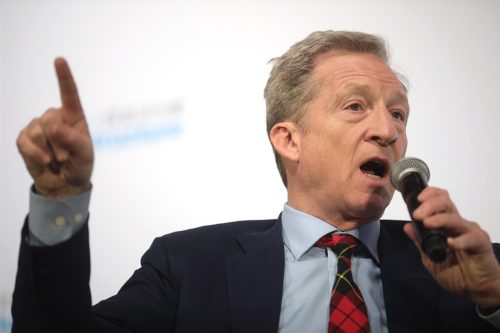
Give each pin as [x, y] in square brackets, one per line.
[407, 165]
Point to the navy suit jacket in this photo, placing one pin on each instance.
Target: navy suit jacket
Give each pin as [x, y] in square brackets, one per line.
[221, 278]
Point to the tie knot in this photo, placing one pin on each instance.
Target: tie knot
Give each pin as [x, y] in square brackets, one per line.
[341, 244]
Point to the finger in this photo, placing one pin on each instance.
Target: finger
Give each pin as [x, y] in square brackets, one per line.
[32, 152]
[34, 156]
[452, 224]
[50, 122]
[430, 192]
[72, 110]
[475, 240]
[71, 141]
[434, 203]
[34, 132]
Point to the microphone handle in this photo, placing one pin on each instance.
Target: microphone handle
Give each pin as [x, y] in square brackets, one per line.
[432, 241]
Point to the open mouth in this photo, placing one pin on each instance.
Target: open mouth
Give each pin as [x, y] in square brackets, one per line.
[375, 168]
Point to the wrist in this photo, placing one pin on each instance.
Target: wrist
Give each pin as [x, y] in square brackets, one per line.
[61, 193]
[488, 300]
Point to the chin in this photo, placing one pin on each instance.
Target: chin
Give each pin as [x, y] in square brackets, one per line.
[370, 212]
[374, 207]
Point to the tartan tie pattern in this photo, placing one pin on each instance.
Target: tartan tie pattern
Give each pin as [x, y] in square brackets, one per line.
[347, 308]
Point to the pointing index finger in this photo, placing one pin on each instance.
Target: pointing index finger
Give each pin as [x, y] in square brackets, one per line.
[72, 110]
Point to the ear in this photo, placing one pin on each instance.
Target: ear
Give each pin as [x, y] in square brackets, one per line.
[285, 138]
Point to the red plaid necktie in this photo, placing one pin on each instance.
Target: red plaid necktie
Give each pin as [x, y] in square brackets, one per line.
[347, 308]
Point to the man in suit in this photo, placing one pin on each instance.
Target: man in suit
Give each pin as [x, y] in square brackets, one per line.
[336, 116]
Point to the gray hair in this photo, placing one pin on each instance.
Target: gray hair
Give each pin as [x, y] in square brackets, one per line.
[289, 88]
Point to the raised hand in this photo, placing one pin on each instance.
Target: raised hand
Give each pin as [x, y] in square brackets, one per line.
[57, 148]
[471, 268]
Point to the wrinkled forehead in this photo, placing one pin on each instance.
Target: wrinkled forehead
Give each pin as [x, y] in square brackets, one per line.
[340, 67]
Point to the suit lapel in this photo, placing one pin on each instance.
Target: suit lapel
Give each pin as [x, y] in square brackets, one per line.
[410, 293]
[255, 280]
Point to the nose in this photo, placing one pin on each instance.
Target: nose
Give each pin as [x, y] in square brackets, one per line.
[382, 128]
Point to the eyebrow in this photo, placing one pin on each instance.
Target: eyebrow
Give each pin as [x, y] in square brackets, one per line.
[365, 89]
[354, 87]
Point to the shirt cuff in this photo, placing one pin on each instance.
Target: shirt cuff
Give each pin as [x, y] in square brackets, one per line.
[492, 318]
[53, 221]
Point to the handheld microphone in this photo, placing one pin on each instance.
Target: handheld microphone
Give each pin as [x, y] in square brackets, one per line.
[410, 176]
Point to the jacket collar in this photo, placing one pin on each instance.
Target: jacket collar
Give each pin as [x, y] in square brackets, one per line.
[255, 272]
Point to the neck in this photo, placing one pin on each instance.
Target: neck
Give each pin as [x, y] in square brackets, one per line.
[337, 220]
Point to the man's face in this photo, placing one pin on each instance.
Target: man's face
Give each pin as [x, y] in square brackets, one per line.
[354, 131]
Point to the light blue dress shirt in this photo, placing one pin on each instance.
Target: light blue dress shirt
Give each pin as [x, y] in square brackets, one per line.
[310, 274]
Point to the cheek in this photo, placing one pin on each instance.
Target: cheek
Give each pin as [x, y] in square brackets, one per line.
[402, 149]
[316, 157]
[403, 141]
[327, 148]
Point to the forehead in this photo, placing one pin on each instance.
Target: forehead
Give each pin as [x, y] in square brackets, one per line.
[340, 69]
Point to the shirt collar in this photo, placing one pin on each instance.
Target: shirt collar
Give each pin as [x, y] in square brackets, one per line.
[301, 231]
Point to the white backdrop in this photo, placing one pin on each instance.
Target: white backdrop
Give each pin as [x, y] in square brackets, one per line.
[173, 92]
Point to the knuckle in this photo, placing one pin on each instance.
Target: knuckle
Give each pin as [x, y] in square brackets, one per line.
[51, 110]
[476, 228]
[45, 118]
[49, 116]
[442, 193]
[437, 191]
[33, 122]
[36, 134]
[20, 141]
[474, 225]
[434, 189]
[479, 232]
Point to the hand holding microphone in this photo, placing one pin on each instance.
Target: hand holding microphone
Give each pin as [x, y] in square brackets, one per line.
[410, 176]
[463, 261]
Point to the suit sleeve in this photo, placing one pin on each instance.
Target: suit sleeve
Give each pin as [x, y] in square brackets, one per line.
[52, 292]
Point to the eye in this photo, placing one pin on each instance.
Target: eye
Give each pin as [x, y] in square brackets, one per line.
[399, 115]
[354, 107]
